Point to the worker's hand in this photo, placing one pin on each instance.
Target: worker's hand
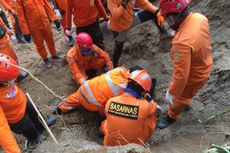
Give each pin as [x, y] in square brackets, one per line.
[69, 32]
[27, 38]
[14, 39]
[169, 98]
[160, 19]
[124, 3]
[58, 25]
[82, 80]
[109, 65]
[58, 14]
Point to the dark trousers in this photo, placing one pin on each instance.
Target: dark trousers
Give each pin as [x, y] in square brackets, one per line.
[141, 17]
[30, 125]
[4, 19]
[95, 32]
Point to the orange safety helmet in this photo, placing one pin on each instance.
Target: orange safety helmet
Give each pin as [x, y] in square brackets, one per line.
[142, 78]
[173, 6]
[7, 72]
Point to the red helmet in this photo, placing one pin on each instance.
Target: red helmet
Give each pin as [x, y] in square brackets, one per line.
[84, 41]
[142, 78]
[7, 72]
[173, 6]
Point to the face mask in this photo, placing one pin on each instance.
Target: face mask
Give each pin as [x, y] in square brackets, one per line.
[85, 51]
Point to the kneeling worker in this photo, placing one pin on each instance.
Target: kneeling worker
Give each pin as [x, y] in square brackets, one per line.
[86, 58]
[130, 118]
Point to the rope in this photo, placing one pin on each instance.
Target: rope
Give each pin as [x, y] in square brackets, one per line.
[36, 79]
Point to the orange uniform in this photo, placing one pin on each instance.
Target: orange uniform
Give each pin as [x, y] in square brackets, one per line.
[128, 120]
[14, 106]
[7, 141]
[84, 12]
[10, 6]
[79, 64]
[5, 47]
[33, 16]
[192, 61]
[94, 93]
[121, 19]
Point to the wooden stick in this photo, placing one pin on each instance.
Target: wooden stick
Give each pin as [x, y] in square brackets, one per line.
[41, 117]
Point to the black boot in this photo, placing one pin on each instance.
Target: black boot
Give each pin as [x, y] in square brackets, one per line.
[47, 63]
[71, 41]
[165, 122]
[22, 75]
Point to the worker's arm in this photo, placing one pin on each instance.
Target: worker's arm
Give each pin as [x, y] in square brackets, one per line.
[181, 56]
[102, 54]
[115, 9]
[101, 9]
[22, 19]
[69, 11]
[146, 5]
[7, 141]
[6, 6]
[50, 13]
[79, 77]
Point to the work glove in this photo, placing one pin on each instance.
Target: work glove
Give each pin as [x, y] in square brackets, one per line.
[124, 3]
[58, 14]
[109, 65]
[14, 39]
[58, 25]
[169, 98]
[69, 32]
[27, 38]
[82, 80]
[160, 18]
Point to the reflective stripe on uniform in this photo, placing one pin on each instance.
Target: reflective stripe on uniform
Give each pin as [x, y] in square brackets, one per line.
[84, 97]
[86, 85]
[67, 106]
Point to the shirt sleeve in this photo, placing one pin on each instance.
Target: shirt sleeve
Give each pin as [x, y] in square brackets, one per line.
[115, 9]
[101, 53]
[181, 56]
[5, 5]
[101, 9]
[69, 11]
[21, 18]
[146, 5]
[51, 15]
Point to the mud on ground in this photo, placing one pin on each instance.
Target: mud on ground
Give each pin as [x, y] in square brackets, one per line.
[79, 130]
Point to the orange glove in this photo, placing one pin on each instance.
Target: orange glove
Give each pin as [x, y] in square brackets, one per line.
[160, 19]
[82, 80]
[109, 65]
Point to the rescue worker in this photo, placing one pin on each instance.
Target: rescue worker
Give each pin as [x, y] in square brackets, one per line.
[85, 17]
[123, 19]
[5, 47]
[132, 110]
[94, 93]
[86, 58]
[190, 53]
[19, 112]
[10, 6]
[34, 18]
[7, 141]
[60, 11]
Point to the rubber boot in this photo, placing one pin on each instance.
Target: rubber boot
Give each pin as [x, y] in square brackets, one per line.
[47, 63]
[187, 108]
[22, 75]
[165, 122]
[51, 120]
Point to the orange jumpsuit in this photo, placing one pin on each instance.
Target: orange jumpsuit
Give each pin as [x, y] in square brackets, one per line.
[84, 12]
[33, 16]
[7, 141]
[14, 106]
[121, 19]
[192, 61]
[128, 120]
[79, 64]
[10, 6]
[5, 47]
[94, 93]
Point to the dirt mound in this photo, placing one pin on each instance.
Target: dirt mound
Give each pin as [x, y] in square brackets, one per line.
[79, 131]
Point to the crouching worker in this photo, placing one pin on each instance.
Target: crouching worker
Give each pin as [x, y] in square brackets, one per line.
[86, 58]
[132, 110]
[19, 112]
